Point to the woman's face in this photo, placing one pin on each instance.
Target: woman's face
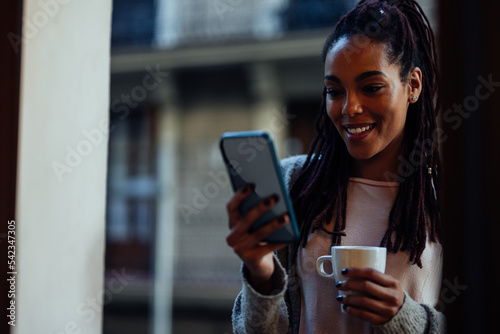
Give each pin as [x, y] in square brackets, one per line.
[366, 99]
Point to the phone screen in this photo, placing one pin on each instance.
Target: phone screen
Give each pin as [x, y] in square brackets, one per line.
[250, 157]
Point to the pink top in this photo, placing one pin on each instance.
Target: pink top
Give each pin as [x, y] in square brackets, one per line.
[368, 206]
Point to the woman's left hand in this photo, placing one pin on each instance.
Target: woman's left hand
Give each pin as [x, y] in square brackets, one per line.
[385, 295]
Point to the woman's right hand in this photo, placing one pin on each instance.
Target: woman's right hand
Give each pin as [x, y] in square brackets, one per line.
[256, 255]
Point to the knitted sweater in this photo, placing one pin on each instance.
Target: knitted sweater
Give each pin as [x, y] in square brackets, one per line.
[279, 312]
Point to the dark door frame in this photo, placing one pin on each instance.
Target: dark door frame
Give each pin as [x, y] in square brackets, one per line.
[469, 43]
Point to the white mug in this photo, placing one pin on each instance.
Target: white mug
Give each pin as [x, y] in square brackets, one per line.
[352, 256]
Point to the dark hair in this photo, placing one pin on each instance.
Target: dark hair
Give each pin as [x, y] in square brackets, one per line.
[405, 30]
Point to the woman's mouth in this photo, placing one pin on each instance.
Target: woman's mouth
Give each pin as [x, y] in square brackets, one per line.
[357, 132]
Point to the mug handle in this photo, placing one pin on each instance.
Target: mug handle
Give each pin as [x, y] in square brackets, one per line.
[319, 265]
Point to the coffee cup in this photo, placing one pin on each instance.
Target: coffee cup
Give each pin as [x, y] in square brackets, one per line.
[351, 256]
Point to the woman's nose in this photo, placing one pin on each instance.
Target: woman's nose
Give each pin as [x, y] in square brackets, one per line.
[352, 106]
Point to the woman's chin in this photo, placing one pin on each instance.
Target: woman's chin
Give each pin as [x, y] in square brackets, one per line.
[357, 154]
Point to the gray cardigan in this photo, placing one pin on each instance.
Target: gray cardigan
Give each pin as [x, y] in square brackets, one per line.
[279, 312]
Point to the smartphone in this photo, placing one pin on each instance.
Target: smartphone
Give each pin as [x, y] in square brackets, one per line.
[250, 157]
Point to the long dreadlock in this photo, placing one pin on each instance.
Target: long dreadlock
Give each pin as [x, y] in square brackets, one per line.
[320, 189]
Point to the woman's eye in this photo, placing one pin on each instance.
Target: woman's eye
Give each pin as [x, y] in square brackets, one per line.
[372, 89]
[333, 92]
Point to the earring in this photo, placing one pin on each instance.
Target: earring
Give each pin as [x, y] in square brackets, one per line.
[413, 98]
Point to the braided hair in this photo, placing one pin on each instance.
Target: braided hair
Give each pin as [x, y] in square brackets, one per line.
[320, 189]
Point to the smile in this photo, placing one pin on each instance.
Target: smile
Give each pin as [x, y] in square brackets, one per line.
[358, 130]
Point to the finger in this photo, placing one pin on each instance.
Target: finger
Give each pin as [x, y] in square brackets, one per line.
[383, 293]
[362, 285]
[233, 205]
[263, 232]
[268, 229]
[245, 222]
[246, 240]
[381, 286]
[369, 304]
[262, 207]
[370, 274]
[241, 226]
[392, 296]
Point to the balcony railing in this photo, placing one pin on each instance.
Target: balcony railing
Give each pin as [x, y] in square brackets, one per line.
[174, 23]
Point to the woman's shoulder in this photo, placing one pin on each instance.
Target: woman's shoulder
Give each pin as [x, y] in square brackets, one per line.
[291, 166]
[293, 161]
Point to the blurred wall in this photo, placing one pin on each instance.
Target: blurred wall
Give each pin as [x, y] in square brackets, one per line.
[62, 166]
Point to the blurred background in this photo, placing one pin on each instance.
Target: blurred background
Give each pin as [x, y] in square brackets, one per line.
[182, 73]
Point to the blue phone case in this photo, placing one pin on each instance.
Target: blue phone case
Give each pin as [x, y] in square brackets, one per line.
[250, 157]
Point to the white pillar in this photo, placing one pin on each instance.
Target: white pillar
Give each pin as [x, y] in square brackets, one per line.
[168, 15]
[165, 226]
[267, 19]
[269, 108]
[61, 186]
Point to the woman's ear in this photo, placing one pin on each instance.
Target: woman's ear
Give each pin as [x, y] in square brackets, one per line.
[415, 83]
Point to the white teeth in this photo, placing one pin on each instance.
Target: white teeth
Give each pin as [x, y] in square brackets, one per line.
[355, 131]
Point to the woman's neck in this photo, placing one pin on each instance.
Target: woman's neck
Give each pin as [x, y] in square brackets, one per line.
[382, 167]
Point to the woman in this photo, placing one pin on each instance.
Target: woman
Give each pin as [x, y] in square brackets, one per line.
[370, 179]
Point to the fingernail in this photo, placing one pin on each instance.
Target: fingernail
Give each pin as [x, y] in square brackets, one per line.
[248, 188]
[345, 271]
[340, 298]
[338, 285]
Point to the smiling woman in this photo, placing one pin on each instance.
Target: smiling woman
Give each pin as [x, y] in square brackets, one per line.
[367, 101]
[378, 106]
